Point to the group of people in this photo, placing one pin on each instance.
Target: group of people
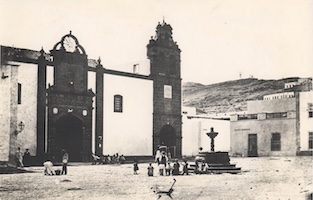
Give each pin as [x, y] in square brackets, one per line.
[48, 165]
[22, 159]
[114, 159]
[166, 168]
[200, 166]
[162, 158]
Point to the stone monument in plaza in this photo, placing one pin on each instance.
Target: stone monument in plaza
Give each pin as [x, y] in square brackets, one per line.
[218, 162]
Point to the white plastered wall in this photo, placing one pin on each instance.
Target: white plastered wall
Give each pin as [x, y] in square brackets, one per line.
[129, 132]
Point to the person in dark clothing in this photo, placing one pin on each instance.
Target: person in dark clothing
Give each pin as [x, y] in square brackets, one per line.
[136, 168]
[162, 165]
[185, 169]
[176, 168]
[122, 159]
[150, 169]
[26, 158]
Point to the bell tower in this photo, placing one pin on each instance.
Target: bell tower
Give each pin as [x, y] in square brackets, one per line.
[70, 102]
[164, 56]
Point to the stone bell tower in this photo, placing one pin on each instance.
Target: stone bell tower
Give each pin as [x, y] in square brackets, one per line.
[164, 55]
[70, 102]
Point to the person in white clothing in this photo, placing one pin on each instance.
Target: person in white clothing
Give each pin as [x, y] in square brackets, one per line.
[48, 168]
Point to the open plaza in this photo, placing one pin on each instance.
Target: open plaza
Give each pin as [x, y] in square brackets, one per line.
[260, 178]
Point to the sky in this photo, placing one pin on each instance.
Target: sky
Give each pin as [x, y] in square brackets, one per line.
[220, 40]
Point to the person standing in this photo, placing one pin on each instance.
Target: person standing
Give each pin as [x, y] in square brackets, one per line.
[19, 157]
[150, 169]
[26, 158]
[158, 155]
[162, 165]
[185, 168]
[176, 168]
[168, 169]
[136, 168]
[65, 159]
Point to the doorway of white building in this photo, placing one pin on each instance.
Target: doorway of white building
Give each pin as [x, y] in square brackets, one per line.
[252, 145]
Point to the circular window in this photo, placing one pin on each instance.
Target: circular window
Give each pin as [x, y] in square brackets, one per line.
[85, 112]
[55, 111]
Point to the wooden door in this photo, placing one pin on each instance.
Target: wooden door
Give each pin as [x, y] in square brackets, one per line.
[252, 145]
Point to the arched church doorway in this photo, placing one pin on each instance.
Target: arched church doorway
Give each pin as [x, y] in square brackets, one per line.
[168, 138]
[69, 136]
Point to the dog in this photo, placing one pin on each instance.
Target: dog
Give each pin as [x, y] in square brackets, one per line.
[159, 192]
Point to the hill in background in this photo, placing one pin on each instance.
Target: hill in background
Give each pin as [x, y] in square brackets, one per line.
[230, 96]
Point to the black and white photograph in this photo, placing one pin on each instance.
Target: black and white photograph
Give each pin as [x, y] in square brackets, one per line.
[156, 99]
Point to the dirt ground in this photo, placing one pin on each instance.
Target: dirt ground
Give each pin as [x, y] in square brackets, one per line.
[261, 178]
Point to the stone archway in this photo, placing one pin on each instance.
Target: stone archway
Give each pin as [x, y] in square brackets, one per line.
[168, 138]
[69, 136]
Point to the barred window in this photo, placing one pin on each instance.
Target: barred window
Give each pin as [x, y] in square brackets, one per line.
[310, 114]
[275, 142]
[276, 115]
[19, 93]
[310, 140]
[118, 103]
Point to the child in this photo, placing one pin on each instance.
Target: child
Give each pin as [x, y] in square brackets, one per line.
[150, 170]
[168, 169]
[176, 168]
[185, 169]
[136, 168]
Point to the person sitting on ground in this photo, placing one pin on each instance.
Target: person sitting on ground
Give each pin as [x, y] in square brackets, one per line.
[102, 160]
[150, 170]
[109, 159]
[122, 159]
[117, 158]
[95, 159]
[48, 165]
[113, 160]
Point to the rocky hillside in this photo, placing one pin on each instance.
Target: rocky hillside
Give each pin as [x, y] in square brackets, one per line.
[230, 96]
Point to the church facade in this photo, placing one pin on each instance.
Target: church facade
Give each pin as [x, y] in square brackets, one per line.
[87, 107]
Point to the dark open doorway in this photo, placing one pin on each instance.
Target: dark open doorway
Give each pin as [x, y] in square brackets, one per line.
[69, 136]
[168, 138]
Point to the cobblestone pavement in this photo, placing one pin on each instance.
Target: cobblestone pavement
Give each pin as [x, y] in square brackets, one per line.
[261, 178]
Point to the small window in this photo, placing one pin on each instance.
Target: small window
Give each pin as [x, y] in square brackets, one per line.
[19, 93]
[247, 116]
[275, 142]
[310, 114]
[118, 103]
[310, 140]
